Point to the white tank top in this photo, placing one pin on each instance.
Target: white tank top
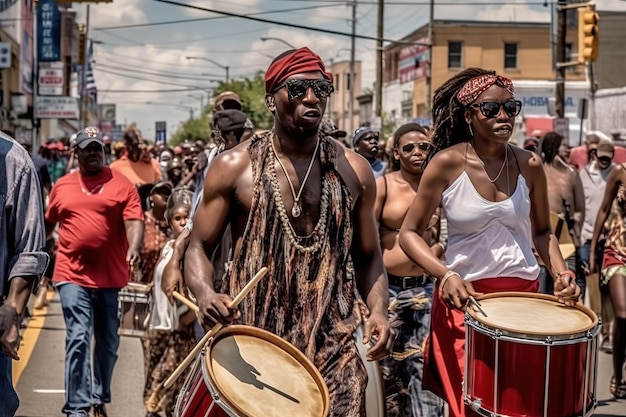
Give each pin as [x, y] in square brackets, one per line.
[488, 239]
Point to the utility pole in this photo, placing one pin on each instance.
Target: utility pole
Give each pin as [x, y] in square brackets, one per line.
[82, 107]
[352, 77]
[561, 35]
[35, 73]
[379, 61]
[429, 80]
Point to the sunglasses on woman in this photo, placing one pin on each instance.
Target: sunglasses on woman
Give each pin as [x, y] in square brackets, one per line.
[491, 109]
[423, 146]
[298, 88]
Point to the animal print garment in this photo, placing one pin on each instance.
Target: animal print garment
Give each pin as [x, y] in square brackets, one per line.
[306, 297]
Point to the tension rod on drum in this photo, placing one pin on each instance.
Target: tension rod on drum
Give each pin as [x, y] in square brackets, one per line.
[198, 348]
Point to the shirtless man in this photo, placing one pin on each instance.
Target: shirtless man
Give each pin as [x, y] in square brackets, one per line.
[300, 204]
[410, 289]
[566, 198]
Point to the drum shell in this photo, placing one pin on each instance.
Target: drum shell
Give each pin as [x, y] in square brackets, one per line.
[134, 306]
[524, 371]
[194, 399]
[201, 394]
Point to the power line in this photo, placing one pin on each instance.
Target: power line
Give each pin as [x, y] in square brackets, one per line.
[291, 25]
[171, 22]
[157, 74]
[151, 81]
[179, 90]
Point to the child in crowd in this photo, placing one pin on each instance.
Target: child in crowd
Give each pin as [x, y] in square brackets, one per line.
[171, 324]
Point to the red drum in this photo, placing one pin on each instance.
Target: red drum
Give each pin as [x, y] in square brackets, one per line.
[531, 356]
[249, 372]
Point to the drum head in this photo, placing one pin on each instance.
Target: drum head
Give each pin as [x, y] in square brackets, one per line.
[258, 374]
[533, 314]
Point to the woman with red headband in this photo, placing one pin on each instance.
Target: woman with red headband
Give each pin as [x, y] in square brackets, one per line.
[494, 197]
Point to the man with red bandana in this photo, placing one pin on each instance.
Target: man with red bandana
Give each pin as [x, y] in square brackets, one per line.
[301, 204]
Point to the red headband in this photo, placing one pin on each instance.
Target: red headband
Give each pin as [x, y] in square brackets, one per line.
[478, 85]
[299, 61]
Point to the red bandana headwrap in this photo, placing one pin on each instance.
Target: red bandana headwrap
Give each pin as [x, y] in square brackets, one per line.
[478, 85]
[300, 60]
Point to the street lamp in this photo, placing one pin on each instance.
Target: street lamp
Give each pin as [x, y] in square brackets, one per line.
[212, 62]
[279, 40]
[201, 98]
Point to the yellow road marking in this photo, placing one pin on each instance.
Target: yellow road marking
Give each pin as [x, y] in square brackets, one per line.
[29, 339]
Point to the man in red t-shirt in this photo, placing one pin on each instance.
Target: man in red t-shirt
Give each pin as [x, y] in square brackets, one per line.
[100, 236]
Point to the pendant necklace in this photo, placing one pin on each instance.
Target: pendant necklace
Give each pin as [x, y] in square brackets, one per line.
[504, 163]
[296, 210]
[96, 190]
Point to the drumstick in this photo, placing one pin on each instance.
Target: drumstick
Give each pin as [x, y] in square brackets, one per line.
[196, 350]
[186, 301]
[476, 305]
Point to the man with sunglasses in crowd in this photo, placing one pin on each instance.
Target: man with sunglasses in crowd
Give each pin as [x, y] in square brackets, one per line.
[300, 204]
[594, 178]
[365, 143]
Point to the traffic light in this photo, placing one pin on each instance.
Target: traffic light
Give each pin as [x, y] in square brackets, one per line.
[82, 44]
[587, 33]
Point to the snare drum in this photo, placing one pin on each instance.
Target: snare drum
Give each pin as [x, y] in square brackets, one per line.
[133, 304]
[530, 356]
[249, 372]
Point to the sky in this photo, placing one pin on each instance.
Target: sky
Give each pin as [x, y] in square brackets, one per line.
[132, 61]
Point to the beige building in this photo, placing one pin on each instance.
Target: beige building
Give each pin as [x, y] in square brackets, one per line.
[338, 107]
[521, 51]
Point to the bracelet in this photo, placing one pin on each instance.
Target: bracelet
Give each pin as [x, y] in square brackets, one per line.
[447, 277]
[566, 272]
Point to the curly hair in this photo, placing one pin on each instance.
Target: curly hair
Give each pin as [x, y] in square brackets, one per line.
[180, 197]
[401, 131]
[550, 143]
[449, 126]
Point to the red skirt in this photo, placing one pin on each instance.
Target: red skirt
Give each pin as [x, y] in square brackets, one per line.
[444, 358]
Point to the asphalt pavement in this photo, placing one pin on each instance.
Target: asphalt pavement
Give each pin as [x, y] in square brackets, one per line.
[40, 375]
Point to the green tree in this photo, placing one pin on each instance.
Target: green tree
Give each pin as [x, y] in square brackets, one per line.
[251, 91]
[192, 130]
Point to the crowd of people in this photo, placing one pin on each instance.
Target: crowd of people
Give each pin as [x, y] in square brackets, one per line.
[355, 233]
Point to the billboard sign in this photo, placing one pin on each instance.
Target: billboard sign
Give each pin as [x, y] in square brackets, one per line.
[51, 78]
[48, 31]
[107, 111]
[161, 132]
[413, 61]
[51, 107]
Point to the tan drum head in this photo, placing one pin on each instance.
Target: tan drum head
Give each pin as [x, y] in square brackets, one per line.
[259, 374]
[533, 314]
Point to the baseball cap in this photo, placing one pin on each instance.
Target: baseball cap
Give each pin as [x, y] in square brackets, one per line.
[230, 120]
[360, 133]
[605, 148]
[87, 136]
[227, 100]
[162, 188]
[328, 128]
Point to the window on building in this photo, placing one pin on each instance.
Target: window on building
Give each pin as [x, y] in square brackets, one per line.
[455, 54]
[337, 81]
[568, 52]
[348, 81]
[510, 55]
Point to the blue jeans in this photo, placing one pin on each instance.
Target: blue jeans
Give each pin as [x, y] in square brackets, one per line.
[88, 311]
[403, 373]
[573, 263]
[8, 398]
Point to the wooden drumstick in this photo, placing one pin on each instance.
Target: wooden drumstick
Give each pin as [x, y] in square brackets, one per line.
[186, 301]
[198, 348]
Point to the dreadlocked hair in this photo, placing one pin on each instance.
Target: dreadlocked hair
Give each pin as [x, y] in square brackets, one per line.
[550, 143]
[449, 125]
[401, 131]
[180, 197]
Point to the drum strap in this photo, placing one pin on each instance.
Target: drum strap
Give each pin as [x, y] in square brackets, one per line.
[559, 228]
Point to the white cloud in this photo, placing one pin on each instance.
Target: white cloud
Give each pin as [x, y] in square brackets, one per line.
[517, 10]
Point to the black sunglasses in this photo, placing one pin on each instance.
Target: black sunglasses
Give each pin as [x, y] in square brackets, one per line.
[605, 159]
[423, 146]
[491, 109]
[298, 88]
